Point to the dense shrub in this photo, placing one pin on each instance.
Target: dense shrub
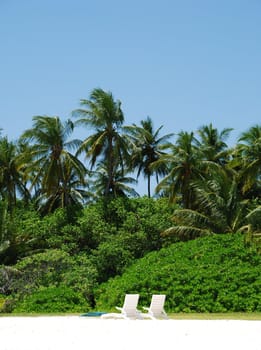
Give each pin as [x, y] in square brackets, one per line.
[51, 300]
[81, 276]
[134, 230]
[18, 233]
[211, 274]
[42, 269]
[110, 259]
[53, 268]
[92, 227]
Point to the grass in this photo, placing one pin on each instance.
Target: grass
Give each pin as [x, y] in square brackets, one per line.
[35, 314]
[255, 316]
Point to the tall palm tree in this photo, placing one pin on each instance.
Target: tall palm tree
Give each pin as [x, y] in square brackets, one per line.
[11, 174]
[212, 143]
[147, 148]
[247, 158]
[103, 114]
[185, 164]
[49, 152]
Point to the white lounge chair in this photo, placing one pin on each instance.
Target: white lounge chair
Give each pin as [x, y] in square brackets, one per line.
[128, 310]
[156, 309]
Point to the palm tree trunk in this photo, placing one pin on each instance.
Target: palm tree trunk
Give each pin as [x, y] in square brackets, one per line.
[149, 185]
[110, 168]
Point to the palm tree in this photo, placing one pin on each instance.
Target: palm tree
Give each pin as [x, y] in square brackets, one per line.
[103, 114]
[120, 186]
[247, 157]
[69, 193]
[147, 148]
[185, 165]
[212, 144]
[49, 152]
[11, 174]
[220, 209]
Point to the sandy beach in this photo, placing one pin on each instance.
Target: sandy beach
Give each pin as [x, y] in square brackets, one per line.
[72, 332]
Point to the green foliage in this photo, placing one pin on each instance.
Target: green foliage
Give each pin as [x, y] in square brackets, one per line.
[135, 228]
[210, 274]
[144, 214]
[58, 233]
[2, 301]
[213, 274]
[51, 300]
[146, 149]
[110, 259]
[54, 172]
[103, 114]
[53, 268]
[42, 269]
[53, 231]
[247, 159]
[8, 279]
[153, 216]
[220, 208]
[82, 276]
[93, 227]
[4, 241]
[21, 232]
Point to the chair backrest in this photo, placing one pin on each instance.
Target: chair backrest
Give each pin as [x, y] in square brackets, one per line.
[130, 304]
[157, 303]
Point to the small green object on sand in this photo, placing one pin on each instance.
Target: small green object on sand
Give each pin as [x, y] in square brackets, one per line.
[93, 314]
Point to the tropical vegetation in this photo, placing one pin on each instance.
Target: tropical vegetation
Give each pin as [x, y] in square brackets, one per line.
[76, 235]
[211, 274]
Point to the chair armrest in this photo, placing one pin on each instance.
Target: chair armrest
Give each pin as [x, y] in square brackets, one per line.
[119, 308]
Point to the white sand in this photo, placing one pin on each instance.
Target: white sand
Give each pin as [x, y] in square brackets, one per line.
[72, 332]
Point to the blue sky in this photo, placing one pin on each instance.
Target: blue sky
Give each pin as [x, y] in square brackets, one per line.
[183, 63]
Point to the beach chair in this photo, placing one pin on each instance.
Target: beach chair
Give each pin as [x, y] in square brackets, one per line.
[128, 310]
[156, 309]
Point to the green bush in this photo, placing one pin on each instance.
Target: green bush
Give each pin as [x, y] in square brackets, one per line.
[211, 274]
[110, 259]
[52, 300]
[92, 227]
[53, 268]
[42, 269]
[2, 301]
[82, 276]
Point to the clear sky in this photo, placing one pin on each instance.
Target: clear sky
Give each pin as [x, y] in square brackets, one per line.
[184, 63]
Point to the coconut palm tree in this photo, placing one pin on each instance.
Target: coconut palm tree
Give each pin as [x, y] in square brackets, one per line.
[121, 186]
[147, 148]
[49, 152]
[247, 158]
[220, 209]
[185, 165]
[103, 114]
[71, 192]
[11, 174]
[212, 144]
